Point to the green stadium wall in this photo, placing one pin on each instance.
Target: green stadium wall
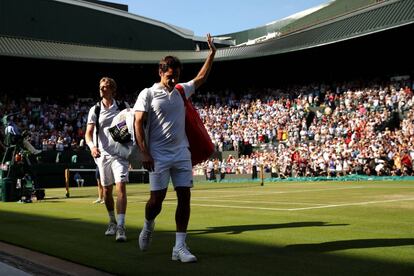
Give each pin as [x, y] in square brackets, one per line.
[64, 22]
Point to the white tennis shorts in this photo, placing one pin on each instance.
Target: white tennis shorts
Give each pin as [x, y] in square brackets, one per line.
[180, 173]
[112, 169]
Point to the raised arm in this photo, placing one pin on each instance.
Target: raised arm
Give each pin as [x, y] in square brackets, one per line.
[205, 70]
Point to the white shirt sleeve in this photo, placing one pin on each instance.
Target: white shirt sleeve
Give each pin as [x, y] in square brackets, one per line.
[189, 88]
[142, 101]
[92, 116]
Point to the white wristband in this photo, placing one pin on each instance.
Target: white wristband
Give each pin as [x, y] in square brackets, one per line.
[90, 145]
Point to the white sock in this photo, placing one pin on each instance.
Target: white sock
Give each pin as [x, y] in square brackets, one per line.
[180, 239]
[112, 216]
[148, 224]
[121, 219]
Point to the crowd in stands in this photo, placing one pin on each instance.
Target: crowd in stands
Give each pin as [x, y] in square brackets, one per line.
[54, 124]
[313, 130]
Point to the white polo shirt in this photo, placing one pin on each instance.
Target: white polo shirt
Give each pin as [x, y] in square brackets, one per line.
[166, 114]
[105, 119]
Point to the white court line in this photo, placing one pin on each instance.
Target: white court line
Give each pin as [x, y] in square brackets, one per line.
[354, 204]
[295, 209]
[215, 198]
[281, 192]
[252, 201]
[232, 207]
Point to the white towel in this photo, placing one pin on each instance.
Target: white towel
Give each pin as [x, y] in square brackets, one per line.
[127, 150]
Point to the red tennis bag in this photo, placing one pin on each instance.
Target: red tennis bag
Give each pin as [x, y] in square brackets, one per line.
[201, 146]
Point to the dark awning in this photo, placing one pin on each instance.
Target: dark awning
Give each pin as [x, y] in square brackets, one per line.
[378, 18]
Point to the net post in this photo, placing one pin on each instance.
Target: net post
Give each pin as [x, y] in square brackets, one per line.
[262, 174]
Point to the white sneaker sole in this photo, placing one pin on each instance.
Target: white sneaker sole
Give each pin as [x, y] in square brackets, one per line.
[121, 239]
[177, 258]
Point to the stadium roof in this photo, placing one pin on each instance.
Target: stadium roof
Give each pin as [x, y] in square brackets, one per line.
[373, 19]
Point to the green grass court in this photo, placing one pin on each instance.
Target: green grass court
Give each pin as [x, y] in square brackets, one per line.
[307, 228]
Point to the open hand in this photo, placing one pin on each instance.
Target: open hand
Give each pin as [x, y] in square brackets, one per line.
[211, 43]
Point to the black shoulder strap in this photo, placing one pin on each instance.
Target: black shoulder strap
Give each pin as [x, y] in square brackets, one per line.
[97, 112]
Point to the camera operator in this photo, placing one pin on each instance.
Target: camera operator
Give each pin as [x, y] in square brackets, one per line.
[13, 136]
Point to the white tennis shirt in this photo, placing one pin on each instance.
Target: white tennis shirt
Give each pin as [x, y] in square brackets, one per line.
[166, 114]
[105, 119]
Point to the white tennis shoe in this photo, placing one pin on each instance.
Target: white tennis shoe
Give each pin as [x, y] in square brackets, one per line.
[145, 237]
[111, 229]
[183, 254]
[120, 234]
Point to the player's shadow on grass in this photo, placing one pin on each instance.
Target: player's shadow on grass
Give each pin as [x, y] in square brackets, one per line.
[77, 238]
[238, 229]
[56, 199]
[350, 244]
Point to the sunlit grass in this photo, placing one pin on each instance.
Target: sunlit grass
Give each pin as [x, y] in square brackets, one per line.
[320, 228]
